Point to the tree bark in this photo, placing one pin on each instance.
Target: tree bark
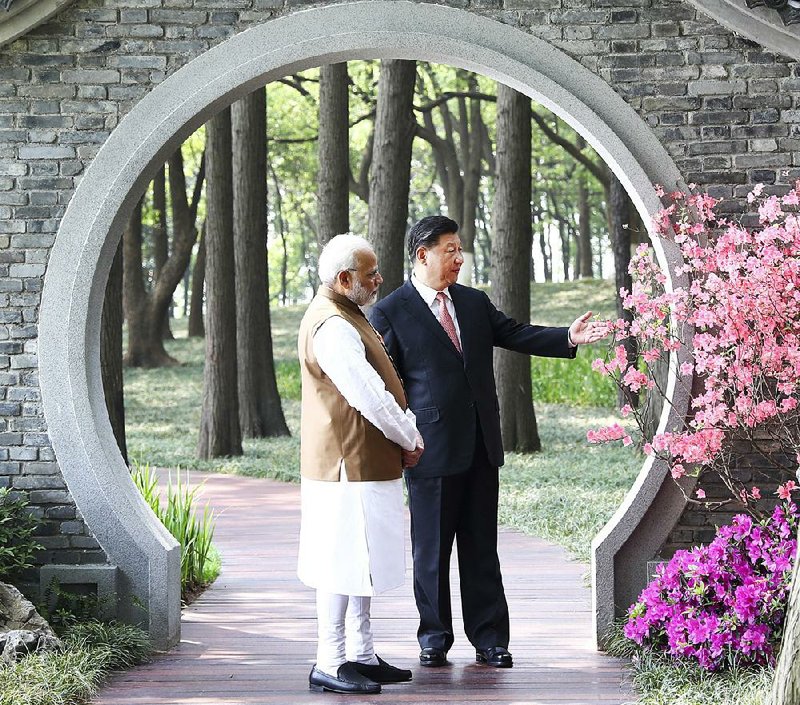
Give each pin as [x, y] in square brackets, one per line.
[584, 231]
[786, 681]
[333, 180]
[511, 289]
[161, 236]
[220, 433]
[260, 412]
[391, 169]
[147, 311]
[111, 353]
[621, 246]
[196, 327]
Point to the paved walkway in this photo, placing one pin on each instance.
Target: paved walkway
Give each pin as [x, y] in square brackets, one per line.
[250, 638]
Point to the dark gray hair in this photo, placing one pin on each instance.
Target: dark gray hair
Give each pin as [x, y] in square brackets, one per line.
[426, 233]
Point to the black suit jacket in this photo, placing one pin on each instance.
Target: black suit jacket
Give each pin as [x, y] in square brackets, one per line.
[449, 393]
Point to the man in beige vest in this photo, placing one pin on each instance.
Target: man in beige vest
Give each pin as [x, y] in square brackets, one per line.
[356, 436]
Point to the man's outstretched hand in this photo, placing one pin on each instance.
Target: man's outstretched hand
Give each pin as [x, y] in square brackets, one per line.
[583, 330]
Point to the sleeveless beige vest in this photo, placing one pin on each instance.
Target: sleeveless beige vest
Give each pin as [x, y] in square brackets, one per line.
[330, 429]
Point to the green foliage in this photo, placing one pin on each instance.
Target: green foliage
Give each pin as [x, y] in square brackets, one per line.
[17, 526]
[64, 608]
[92, 651]
[179, 515]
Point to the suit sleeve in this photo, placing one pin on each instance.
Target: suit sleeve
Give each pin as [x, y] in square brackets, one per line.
[545, 341]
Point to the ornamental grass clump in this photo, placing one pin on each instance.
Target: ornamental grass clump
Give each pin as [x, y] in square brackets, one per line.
[722, 605]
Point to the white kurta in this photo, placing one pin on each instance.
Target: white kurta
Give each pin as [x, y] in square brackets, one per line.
[352, 535]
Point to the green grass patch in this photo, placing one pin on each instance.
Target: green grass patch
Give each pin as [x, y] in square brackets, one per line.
[93, 650]
[567, 492]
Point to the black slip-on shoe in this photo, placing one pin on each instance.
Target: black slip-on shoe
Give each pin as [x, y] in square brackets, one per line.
[347, 681]
[382, 672]
[432, 657]
[496, 656]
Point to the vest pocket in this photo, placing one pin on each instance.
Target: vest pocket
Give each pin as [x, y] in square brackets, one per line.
[427, 415]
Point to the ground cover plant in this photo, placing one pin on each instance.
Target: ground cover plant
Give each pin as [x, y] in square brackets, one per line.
[92, 651]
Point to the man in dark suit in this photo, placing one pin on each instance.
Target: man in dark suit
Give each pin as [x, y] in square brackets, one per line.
[441, 336]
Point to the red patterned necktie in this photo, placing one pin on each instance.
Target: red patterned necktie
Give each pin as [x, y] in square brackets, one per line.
[446, 320]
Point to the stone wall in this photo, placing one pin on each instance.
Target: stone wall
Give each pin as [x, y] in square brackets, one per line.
[724, 108]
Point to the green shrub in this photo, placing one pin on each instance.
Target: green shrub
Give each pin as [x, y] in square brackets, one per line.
[17, 526]
[194, 533]
[92, 650]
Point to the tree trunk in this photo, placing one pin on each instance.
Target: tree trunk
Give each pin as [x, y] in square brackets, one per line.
[333, 180]
[144, 348]
[196, 327]
[621, 246]
[220, 433]
[161, 236]
[260, 412]
[391, 169]
[511, 288]
[584, 231]
[111, 352]
[786, 681]
[147, 312]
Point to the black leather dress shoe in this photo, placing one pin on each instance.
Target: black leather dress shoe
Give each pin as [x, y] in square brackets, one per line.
[496, 656]
[382, 672]
[432, 657]
[347, 681]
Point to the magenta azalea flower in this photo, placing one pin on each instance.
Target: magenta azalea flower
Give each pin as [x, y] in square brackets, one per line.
[723, 603]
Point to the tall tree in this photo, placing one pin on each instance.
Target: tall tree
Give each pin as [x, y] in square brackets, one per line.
[458, 155]
[586, 269]
[391, 168]
[220, 433]
[161, 235]
[260, 412]
[145, 311]
[333, 180]
[111, 351]
[511, 288]
[196, 327]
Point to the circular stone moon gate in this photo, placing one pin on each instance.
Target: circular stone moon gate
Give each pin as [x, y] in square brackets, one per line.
[145, 558]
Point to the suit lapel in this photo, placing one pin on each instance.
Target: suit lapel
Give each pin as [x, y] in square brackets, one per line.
[420, 312]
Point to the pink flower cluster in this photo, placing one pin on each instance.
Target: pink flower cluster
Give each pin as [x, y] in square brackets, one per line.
[742, 304]
[722, 604]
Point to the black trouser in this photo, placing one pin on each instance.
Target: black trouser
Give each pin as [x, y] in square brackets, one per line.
[461, 507]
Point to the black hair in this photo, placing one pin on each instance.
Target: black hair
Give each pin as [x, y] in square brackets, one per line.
[426, 233]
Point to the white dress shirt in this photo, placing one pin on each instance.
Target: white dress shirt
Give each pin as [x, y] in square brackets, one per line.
[429, 297]
[352, 536]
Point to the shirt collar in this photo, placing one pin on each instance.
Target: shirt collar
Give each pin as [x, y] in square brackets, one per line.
[427, 293]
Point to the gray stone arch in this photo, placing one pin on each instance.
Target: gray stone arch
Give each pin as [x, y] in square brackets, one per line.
[147, 557]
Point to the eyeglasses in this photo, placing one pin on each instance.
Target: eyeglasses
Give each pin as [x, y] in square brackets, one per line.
[370, 275]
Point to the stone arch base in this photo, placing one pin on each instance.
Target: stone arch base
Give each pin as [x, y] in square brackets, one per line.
[147, 557]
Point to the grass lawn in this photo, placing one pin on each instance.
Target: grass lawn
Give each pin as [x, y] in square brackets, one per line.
[564, 494]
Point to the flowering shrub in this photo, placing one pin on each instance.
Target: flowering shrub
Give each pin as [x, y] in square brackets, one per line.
[722, 604]
[742, 305]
